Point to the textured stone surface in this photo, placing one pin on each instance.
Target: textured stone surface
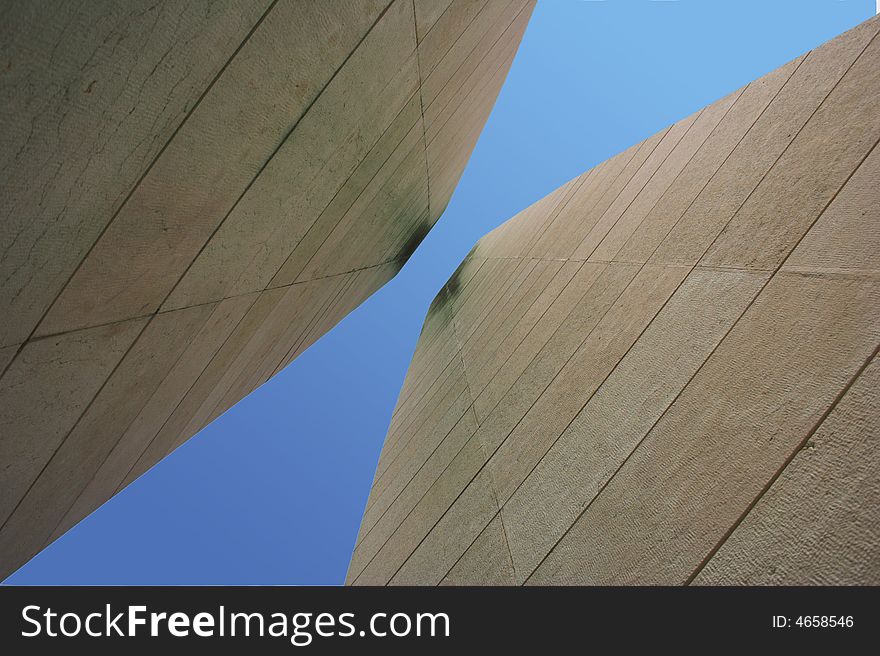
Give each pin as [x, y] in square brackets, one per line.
[91, 94]
[110, 414]
[191, 196]
[606, 430]
[670, 362]
[486, 562]
[47, 387]
[817, 524]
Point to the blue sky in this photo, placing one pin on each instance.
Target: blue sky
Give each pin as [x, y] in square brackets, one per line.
[272, 492]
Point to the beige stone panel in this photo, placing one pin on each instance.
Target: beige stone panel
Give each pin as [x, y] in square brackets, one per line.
[428, 12]
[366, 281]
[92, 92]
[81, 453]
[489, 243]
[417, 452]
[442, 354]
[453, 534]
[210, 162]
[807, 177]
[541, 371]
[413, 413]
[472, 317]
[423, 435]
[376, 534]
[478, 319]
[471, 78]
[449, 154]
[623, 410]
[445, 367]
[430, 357]
[226, 318]
[438, 351]
[489, 343]
[817, 524]
[551, 329]
[369, 281]
[374, 279]
[663, 179]
[636, 186]
[574, 224]
[359, 286]
[402, 429]
[7, 353]
[439, 24]
[847, 235]
[451, 376]
[372, 173]
[483, 336]
[487, 560]
[164, 400]
[437, 361]
[753, 100]
[434, 347]
[768, 138]
[427, 378]
[642, 435]
[43, 394]
[471, 310]
[440, 325]
[467, 315]
[423, 517]
[736, 423]
[223, 321]
[519, 286]
[308, 336]
[580, 203]
[450, 150]
[473, 43]
[455, 294]
[265, 363]
[522, 328]
[312, 165]
[486, 358]
[539, 225]
[282, 317]
[187, 417]
[270, 360]
[465, 275]
[398, 240]
[400, 206]
[530, 229]
[402, 426]
[420, 404]
[315, 298]
[576, 382]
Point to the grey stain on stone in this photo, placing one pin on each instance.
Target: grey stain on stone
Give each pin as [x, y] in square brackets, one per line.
[412, 242]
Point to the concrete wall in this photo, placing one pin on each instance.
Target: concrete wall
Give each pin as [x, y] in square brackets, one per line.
[192, 193]
[665, 371]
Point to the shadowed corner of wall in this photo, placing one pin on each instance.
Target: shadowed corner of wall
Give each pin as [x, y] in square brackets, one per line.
[440, 312]
[412, 242]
